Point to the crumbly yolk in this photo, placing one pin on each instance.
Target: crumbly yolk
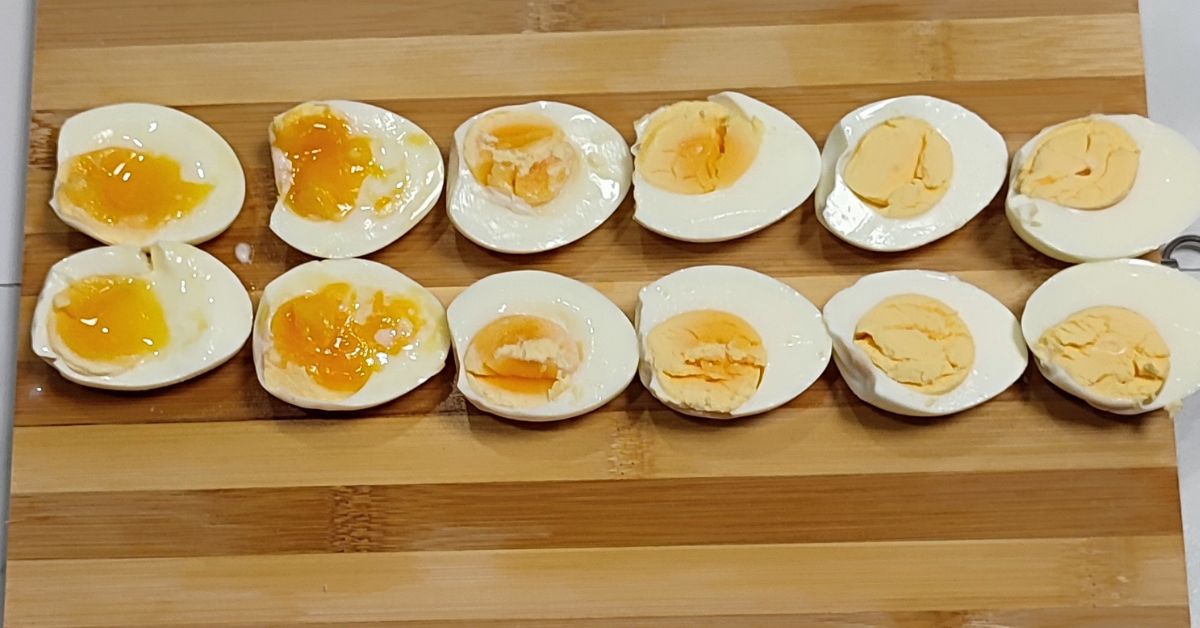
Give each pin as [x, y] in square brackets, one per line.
[128, 188]
[329, 162]
[1084, 164]
[1112, 351]
[340, 340]
[521, 154]
[522, 360]
[901, 167]
[917, 341]
[695, 147]
[110, 319]
[707, 360]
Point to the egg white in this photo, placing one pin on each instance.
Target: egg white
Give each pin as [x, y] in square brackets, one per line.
[793, 334]
[405, 371]
[487, 217]
[782, 175]
[365, 230]
[609, 344]
[1000, 353]
[207, 310]
[1164, 200]
[203, 155]
[979, 155]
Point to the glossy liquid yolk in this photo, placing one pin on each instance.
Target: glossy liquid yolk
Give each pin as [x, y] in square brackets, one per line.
[110, 319]
[522, 361]
[525, 155]
[695, 147]
[128, 188]
[329, 163]
[340, 341]
[708, 360]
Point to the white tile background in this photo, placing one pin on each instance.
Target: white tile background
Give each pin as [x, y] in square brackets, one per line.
[1171, 35]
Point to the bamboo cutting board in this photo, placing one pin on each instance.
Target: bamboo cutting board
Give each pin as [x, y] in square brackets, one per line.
[212, 504]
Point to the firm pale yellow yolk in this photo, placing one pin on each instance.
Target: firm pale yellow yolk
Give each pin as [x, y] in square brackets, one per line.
[110, 319]
[1112, 351]
[129, 188]
[707, 360]
[339, 339]
[695, 147]
[521, 360]
[522, 154]
[1084, 164]
[902, 167]
[917, 341]
[329, 163]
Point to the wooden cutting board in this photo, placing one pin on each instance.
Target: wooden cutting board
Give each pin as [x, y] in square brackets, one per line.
[212, 504]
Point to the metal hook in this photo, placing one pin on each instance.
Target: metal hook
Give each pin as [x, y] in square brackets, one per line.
[1184, 241]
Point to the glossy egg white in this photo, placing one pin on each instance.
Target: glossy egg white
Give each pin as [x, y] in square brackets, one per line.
[797, 345]
[1168, 298]
[207, 310]
[1000, 352]
[203, 155]
[400, 147]
[1164, 200]
[780, 178]
[609, 344]
[500, 222]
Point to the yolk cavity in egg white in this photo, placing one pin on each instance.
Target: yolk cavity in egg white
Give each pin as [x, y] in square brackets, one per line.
[109, 319]
[707, 360]
[522, 361]
[525, 155]
[1112, 351]
[1083, 164]
[695, 147]
[917, 341]
[129, 188]
[901, 167]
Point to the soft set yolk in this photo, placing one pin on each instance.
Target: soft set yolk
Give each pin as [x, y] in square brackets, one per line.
[521, 360]
[339, 340]
[695, 147]
[1112, 351]
[521, 154]
[128, 188]
[707, 360]
[917, 341]
[901, 167]
[110, 319]
[1083, 164]
[329, 162]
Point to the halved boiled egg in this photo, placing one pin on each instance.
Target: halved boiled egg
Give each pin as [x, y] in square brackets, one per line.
[900, 173]
[721, 168]
[534, 177]
[137, 174]
[129, 318]
[1103, 187]
[1123, 335]
[725, 342]
[537, 346]
[352, 178]
[346, 335]
[923, 343]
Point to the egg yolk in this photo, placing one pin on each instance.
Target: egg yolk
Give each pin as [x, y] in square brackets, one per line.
[917, 341]
[524, 155]
[329, 163]
[339, 340]
[1083, 164]
[522, 361]
[695, 147]
[901, 167]
[128, 188]
[1112, 351]
[707, 360]
[110, 319]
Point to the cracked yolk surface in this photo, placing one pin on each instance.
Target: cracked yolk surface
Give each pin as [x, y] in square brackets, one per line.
[708, 360]
[524, 155]
[110, 319]
[917, 341]
[1112, 351]
[695, 147]
[1084, 164]
[901, 167]
[522, 360]
[329, 162]
[123, 187]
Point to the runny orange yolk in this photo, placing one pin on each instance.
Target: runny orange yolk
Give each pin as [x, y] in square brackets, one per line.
[110, 318]
[329, 162]
[695, 147]
[128, 188]
[339, 340]
[525, 155]
[522, 360]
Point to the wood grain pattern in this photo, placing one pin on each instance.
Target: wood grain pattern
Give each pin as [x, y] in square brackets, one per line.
[213, 504]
